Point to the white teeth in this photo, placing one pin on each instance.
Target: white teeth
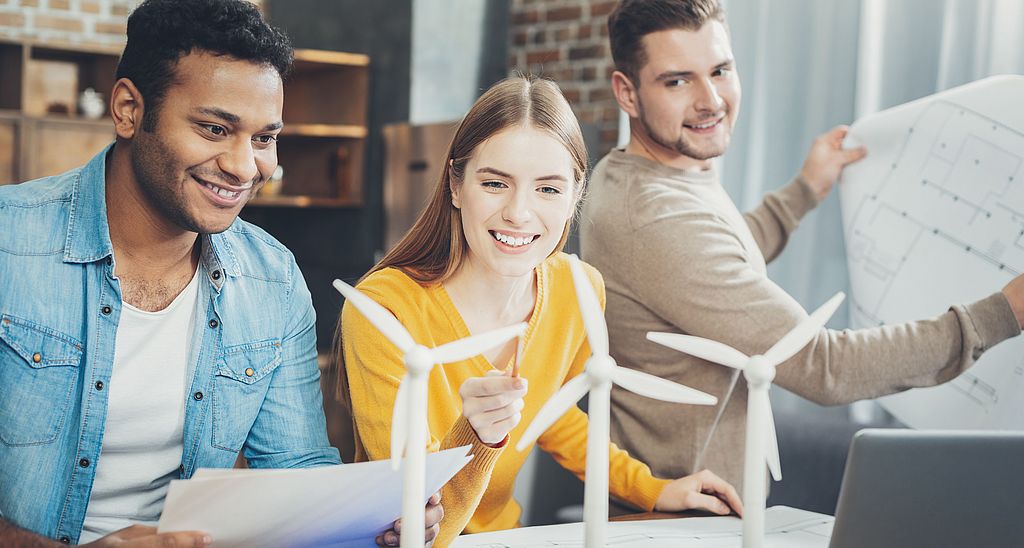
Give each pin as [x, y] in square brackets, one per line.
[512, 241]
[221, 191]
[705, 126]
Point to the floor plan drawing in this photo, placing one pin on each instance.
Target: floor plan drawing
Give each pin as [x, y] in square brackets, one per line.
[934, 216]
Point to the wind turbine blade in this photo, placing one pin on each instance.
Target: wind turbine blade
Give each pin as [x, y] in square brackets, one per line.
[590, 309]
[466, 348]
[705, 349]
[399, 424]
[380, 317]
[566, 397]
[771, 452]
[658, 388]
[804, 332]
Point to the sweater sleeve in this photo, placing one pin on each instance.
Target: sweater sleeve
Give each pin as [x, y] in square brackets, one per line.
[374, 368]
[691, 270]
[566, 441]
[777, 217]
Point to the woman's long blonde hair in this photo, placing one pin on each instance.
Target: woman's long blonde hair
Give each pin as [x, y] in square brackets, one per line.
[434, 248]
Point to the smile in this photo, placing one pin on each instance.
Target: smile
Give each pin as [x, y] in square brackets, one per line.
[513, 240]
[221, 196]
[706, 125]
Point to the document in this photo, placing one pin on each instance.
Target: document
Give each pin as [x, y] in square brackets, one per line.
[934, 216]
[344, 505]
[784, 527]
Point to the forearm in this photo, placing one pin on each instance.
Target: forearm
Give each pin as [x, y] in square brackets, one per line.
[463, 493]
[779, 214]
[11, 535]
[844, 366]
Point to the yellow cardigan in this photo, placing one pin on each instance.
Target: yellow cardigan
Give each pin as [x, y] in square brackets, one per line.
[479, 498]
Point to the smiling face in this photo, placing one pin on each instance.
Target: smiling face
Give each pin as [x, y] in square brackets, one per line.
[689, 93]
[516, 199]
[214, 142]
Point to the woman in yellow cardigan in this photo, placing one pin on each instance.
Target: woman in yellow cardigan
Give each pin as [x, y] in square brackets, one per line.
[485, 253]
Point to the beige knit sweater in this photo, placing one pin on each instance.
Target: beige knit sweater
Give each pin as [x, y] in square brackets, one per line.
[677, 256]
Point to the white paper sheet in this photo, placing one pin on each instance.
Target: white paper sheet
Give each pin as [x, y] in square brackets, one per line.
[784, 527]
[934, 216]
[344, 505]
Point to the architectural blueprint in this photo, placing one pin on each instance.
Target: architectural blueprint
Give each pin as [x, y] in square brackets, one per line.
[784, 528]
[934, 216]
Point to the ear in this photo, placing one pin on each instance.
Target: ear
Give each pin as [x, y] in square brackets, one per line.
[126, 108]
[453, 187]
[625, 94]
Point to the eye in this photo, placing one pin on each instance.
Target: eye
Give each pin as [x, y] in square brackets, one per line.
[678, 82]
[722, 71]
[265, 139]
[214, 129]
[494, 185]
[549, 190]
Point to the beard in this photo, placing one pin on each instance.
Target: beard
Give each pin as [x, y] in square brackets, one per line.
[681, 145]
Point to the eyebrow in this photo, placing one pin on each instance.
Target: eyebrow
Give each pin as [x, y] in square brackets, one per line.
[674, 74]
[500, 173]
[234, 119]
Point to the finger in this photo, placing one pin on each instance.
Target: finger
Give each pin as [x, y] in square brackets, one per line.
[433, 514]
[711, 483]
[178, 539]
[710, 503]
[391, 538]
[854, 154]
[431, 533]
[838, 133]
[494, 416]
[133, 532]
[491, 385]
[434, 499]
[483, 404]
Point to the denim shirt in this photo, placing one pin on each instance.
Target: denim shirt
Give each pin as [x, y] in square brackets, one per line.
[254, 385]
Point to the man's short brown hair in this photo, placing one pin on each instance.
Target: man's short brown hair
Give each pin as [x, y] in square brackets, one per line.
[634, 19]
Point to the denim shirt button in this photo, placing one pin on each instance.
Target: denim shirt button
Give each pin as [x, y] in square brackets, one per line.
[106, 310]
[198, 396]
[181, 468]
[65, 540]
[110, 261]
[37, 357]
[214, 324]
[250, 372]
[84, 463]
[99, 385]
[215, 275]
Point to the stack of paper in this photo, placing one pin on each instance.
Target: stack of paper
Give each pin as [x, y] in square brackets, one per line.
[344, 505]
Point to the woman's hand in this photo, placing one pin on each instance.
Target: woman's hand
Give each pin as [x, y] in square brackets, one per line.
[701, 491]
[492, 405]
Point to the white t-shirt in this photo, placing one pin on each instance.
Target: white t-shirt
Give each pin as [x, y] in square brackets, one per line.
[142, 440]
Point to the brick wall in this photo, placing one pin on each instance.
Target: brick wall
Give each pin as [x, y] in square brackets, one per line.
[89, 22]
[567, 41]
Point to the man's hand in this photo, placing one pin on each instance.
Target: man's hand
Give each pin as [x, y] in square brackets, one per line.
[701, 491]
[434, 515]
[140, 536]
[492, 405]
[826, 159]
[1014, 292]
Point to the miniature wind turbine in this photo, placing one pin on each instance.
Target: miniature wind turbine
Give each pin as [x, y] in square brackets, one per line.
[601, 371]
[409, 419]
[761, 443]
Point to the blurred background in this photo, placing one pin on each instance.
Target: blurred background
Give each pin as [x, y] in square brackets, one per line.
[379, 87]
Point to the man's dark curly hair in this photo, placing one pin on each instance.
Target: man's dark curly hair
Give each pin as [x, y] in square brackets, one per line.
[633, 19]
[160, 32]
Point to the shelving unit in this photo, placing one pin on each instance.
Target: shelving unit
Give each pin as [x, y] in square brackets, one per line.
[321, 148]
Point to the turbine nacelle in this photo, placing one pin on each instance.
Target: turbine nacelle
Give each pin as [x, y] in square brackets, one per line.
[418, 360]
[759, 371]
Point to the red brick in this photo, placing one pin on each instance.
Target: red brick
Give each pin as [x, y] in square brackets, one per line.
[89, 7]
[58, 23]
[569, 13]
[111, 28]
[588, 74]
[562, 35]
[571, 95]
[30, 3]
[602, 9]
[119, 10]
[59, 4]
[586, 52]
[543, 56]
[12, 20]
[519, 37]
[583, 32]
[526, 17]
[603, 93]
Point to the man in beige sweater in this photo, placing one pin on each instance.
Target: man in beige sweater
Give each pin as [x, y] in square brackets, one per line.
[677, 256]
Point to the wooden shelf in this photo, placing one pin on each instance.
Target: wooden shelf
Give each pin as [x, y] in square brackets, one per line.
[301, 201]
[325, 130]
[320, 56]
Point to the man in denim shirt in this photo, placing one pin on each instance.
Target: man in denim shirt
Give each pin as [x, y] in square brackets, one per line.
[145, 331]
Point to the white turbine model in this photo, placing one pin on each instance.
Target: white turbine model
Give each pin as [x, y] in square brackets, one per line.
[409, 420]
[761, 444]
[601, 371]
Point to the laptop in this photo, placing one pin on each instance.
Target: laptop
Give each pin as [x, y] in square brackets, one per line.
[932, 488]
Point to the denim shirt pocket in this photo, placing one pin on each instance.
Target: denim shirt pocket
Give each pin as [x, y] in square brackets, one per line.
[38, 373]
[243, 378]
